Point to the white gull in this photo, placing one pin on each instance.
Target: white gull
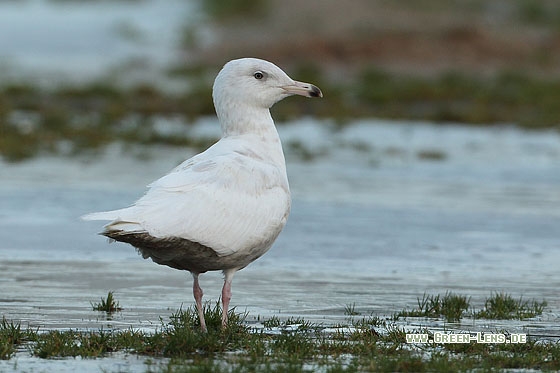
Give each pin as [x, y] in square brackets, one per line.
[222, 208]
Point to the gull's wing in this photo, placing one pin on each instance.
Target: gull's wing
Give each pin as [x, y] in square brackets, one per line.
[223, 199]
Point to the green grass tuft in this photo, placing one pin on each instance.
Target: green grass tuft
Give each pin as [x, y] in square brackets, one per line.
[350, 310]
[296, 345]
[10, 335]
[451, 306]
[109, 305]
[504, 306]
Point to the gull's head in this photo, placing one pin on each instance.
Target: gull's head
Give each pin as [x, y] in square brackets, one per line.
[256, 83]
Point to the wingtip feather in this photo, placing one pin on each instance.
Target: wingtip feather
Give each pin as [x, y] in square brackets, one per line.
[106, 215]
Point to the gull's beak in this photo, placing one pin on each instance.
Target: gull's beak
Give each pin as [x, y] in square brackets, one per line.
[303, 89]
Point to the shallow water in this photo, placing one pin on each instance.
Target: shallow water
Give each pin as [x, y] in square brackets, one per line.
[53, 41]
[374, 224]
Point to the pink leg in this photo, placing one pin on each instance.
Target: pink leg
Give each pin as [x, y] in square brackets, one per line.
[226, 294]
[197, 292]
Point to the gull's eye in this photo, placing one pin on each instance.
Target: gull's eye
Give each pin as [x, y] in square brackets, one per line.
[258, 75]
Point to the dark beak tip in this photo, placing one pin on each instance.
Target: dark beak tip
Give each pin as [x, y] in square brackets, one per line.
[315, 92]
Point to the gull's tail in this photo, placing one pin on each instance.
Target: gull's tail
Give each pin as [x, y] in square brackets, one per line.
[105, 215]
[117, 222]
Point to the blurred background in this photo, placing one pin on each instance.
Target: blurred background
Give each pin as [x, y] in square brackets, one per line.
[432, 163]
[85, 73]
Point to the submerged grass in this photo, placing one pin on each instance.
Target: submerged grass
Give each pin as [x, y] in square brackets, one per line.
[292, 345]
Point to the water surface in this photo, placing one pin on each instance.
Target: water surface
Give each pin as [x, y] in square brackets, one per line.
[375, 227]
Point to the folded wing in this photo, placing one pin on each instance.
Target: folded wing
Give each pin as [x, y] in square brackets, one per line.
[225, 202]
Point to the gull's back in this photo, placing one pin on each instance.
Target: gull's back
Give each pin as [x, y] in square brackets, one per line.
[222, 208]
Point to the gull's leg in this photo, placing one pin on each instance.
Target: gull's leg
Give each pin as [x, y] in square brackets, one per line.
[197, 292]
[226, 294]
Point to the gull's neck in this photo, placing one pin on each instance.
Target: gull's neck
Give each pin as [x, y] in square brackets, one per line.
[253, 124]
[246, 120]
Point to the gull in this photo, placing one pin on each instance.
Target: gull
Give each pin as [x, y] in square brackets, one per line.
[223, 208]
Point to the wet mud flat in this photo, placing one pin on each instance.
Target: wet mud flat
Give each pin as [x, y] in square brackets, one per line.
[59, 295]
[375, 225]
